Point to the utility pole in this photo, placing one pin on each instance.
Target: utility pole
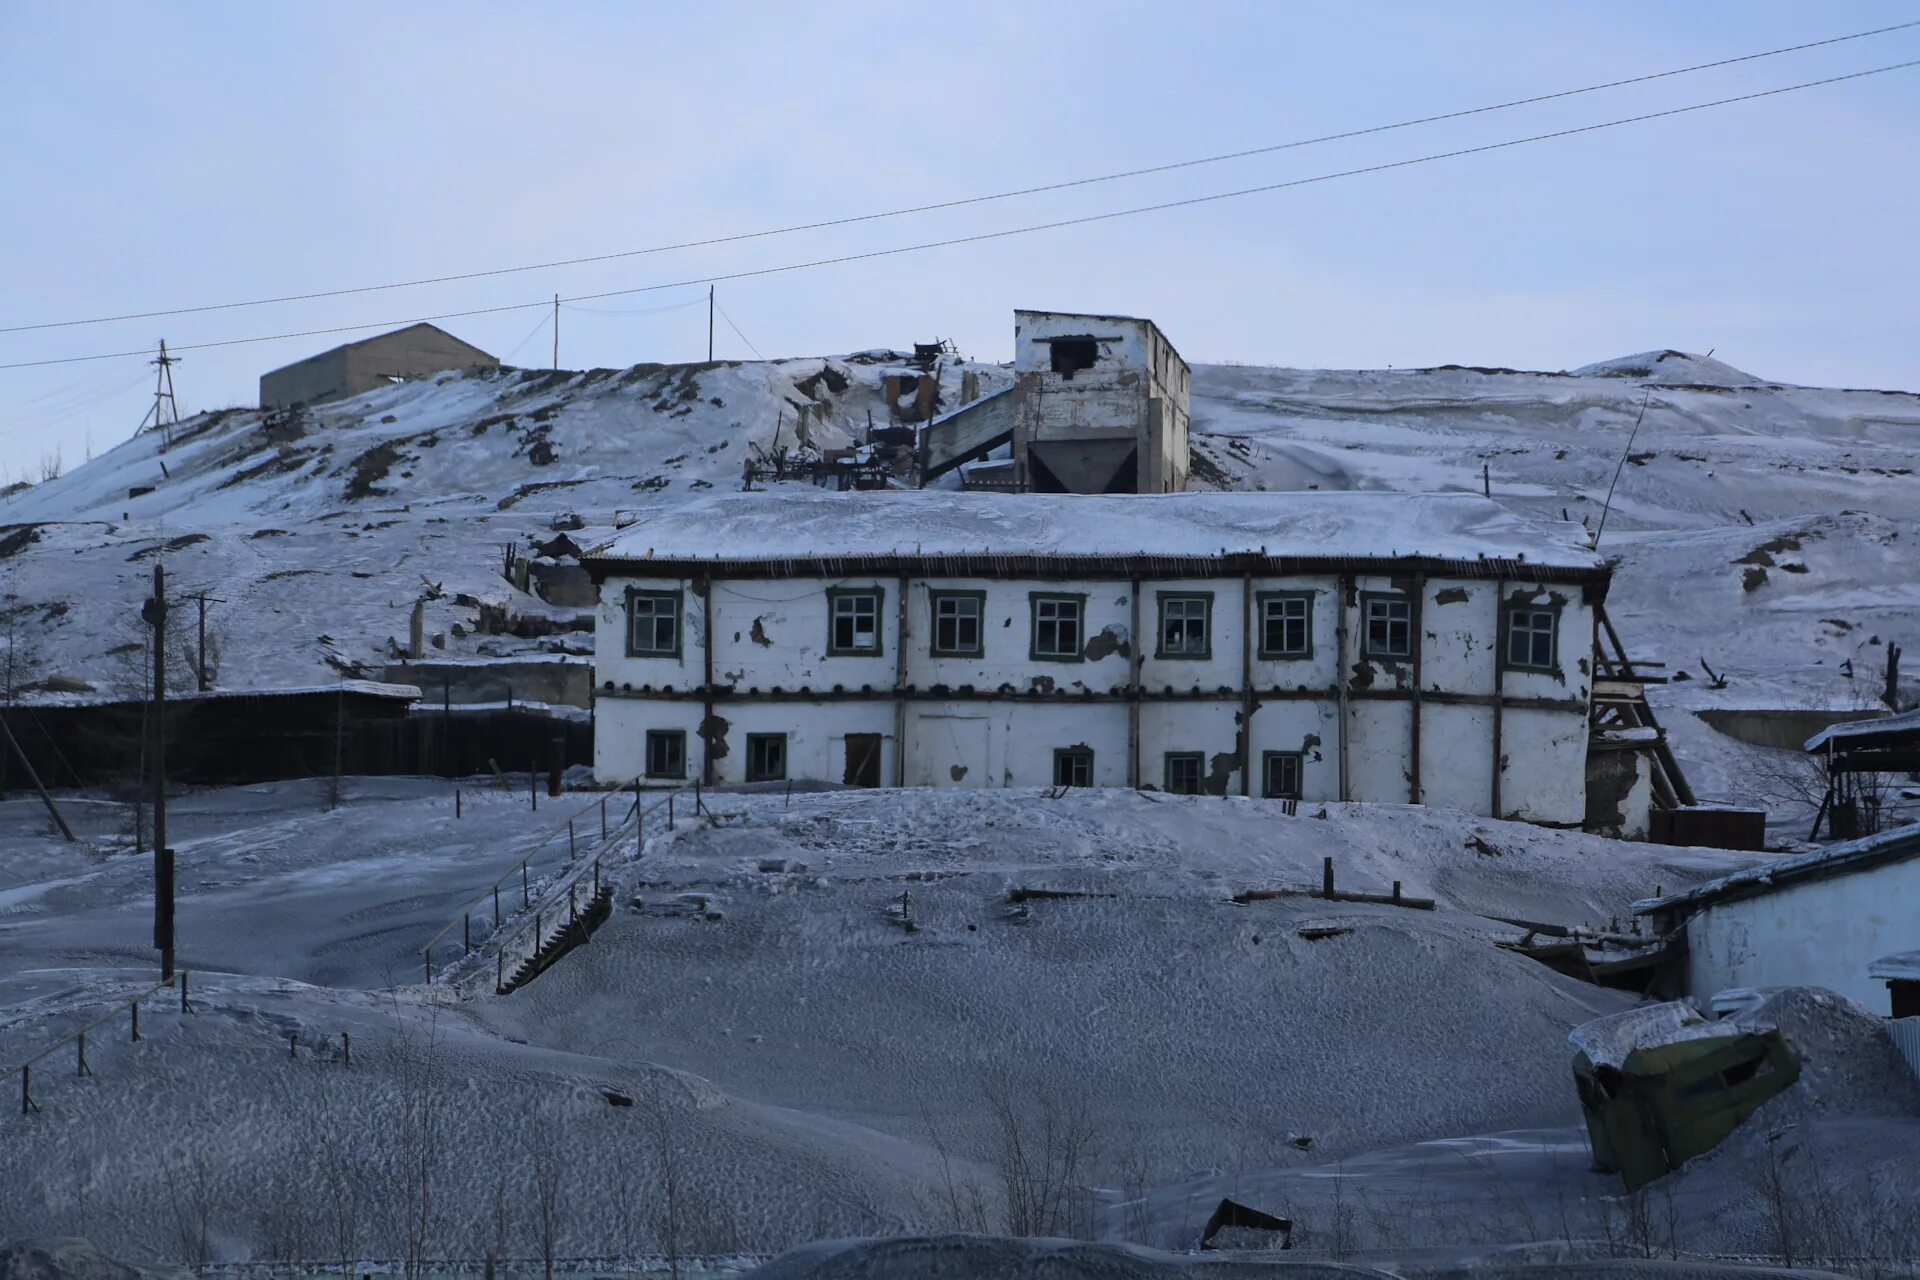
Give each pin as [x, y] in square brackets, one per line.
[155, 613]
[556, 332]
[200, 666]
[165, 413]
[709, 324]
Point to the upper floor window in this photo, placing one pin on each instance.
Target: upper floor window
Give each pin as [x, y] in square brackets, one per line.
[1533, 638]
[957, 623]
[1185, 625]
[653, 624]
[1286, 624]
[1059, 623]
[853, 621]
[1388, 630]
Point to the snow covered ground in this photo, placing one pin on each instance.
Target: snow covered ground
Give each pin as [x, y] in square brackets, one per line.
[815, 1067]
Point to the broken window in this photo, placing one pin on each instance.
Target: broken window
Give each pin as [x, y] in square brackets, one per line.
[1185, 769]
[1184, 629]
[854, 621]
[1073, 767]
[766, 757]
[1280, 775]
[1389, 627]
[956, 623]
[666, 753]
[1057, 627]
[1531, 638]
[653, 624]
[1286, 624]
[1070, 355]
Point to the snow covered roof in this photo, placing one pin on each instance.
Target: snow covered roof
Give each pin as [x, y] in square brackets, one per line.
[1859, 733]
[1902, 966]
[1863, 854]
[801, 530]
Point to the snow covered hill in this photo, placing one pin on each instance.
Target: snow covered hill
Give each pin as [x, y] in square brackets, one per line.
[1762, 529]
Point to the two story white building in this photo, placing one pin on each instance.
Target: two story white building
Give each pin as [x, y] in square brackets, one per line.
[1365, 646]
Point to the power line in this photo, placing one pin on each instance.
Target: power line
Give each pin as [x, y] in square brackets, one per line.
[1083, 220]
[965, 201]
[736, 332]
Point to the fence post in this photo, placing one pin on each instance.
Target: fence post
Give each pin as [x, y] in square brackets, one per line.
[186, 1007]
[26, 1090]
[346, 1048]
[523, 886]
[669, 810]
[499, 971]
[135, 1006]
[293, 1044]
[539, 932]
[570, 848]
[603, 819]
[533, 784]
[571, 899]
[1396, 892]
[596, 877]
[496, 904]
[466, 934]
[456, 802]
[80, 1066]
[696, 797]
[428, 954]
[1326, 877]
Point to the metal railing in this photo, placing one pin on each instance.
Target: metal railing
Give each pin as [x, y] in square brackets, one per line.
[79, 1039]
[539, 908]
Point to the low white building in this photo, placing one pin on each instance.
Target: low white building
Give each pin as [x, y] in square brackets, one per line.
[1368, 646]
[1821, 919]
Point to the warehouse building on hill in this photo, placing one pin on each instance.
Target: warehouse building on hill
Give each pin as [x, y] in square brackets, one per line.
[348, 370]
[1319, 646]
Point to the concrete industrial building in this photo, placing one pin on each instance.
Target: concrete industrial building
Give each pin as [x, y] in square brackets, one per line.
[352, 368]
[1322, 646]
[1099, 404]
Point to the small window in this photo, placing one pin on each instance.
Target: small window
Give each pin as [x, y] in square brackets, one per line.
[1073, 767]
[1286, 625]
[1184, 772]
[957, 631]
[666, 753]
[1071, 355]
[1057, 627]
[1389, 627]
[1184, 625]
[853, 621]
[653, 624]
[1280, 775]
[1532, 636]
[766, 757]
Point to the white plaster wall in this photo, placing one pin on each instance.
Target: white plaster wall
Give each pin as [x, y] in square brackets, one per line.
[1456, 757]
[1033, 354]
[1321, 669]
[610, 660]
[1222, 666]
[792, 615]
[1544, 766]
[1312, 728]
[1458, 623]
[620, 737]
[1821, 933]
[816, 736]
[1573, 678]
[1011, 744]
[1007, 637]
[1211, 728]
[1379, 735]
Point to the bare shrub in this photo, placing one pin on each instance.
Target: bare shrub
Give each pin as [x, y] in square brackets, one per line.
[194, 1200]
[1043, 1148]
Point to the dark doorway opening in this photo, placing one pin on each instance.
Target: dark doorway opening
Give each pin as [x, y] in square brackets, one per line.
[1070, 355]
[863, 760]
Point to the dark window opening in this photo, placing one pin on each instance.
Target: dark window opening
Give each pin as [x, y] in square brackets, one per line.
[1531, 634]
[1185, 770]
[666, 753]
[1073, 767]
[766, 757]
[1070, 355]
[956, 624]
[653, 624]
[1286, 626]
[863, 760]
[1281, 780]
[854, 622]
[1056, 627]
[1183, 626]
[1389, 627]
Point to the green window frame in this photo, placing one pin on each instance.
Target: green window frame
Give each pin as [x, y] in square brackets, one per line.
[1386, 625]
[856, 621]
[1060, 618]
[1532, 637]
[1283, 618]
[666, 753]
[949, 615]
[766, 757]
[653, 623]
[1186, 625]
[1185, 772]
[1073, 766]
[1281, 774]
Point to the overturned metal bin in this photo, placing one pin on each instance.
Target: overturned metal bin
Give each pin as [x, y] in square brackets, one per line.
[1668, 1098]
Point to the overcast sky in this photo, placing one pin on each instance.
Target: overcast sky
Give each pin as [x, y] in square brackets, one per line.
[169, 156]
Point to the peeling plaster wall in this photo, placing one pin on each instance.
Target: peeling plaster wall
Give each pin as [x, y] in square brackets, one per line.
[773, 634]
[1136, 392]
[1821, 933]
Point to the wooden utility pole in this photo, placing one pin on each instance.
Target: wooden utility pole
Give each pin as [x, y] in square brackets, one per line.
[45, 797]
[155, 613]
[200, 658]
[709, 324]
[556, 332]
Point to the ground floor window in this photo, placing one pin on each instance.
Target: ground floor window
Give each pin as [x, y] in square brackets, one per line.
[1073, 767]
[1532, 636]
[666, 753]
[1184, 772]
[766, 757]
[1280, 778]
